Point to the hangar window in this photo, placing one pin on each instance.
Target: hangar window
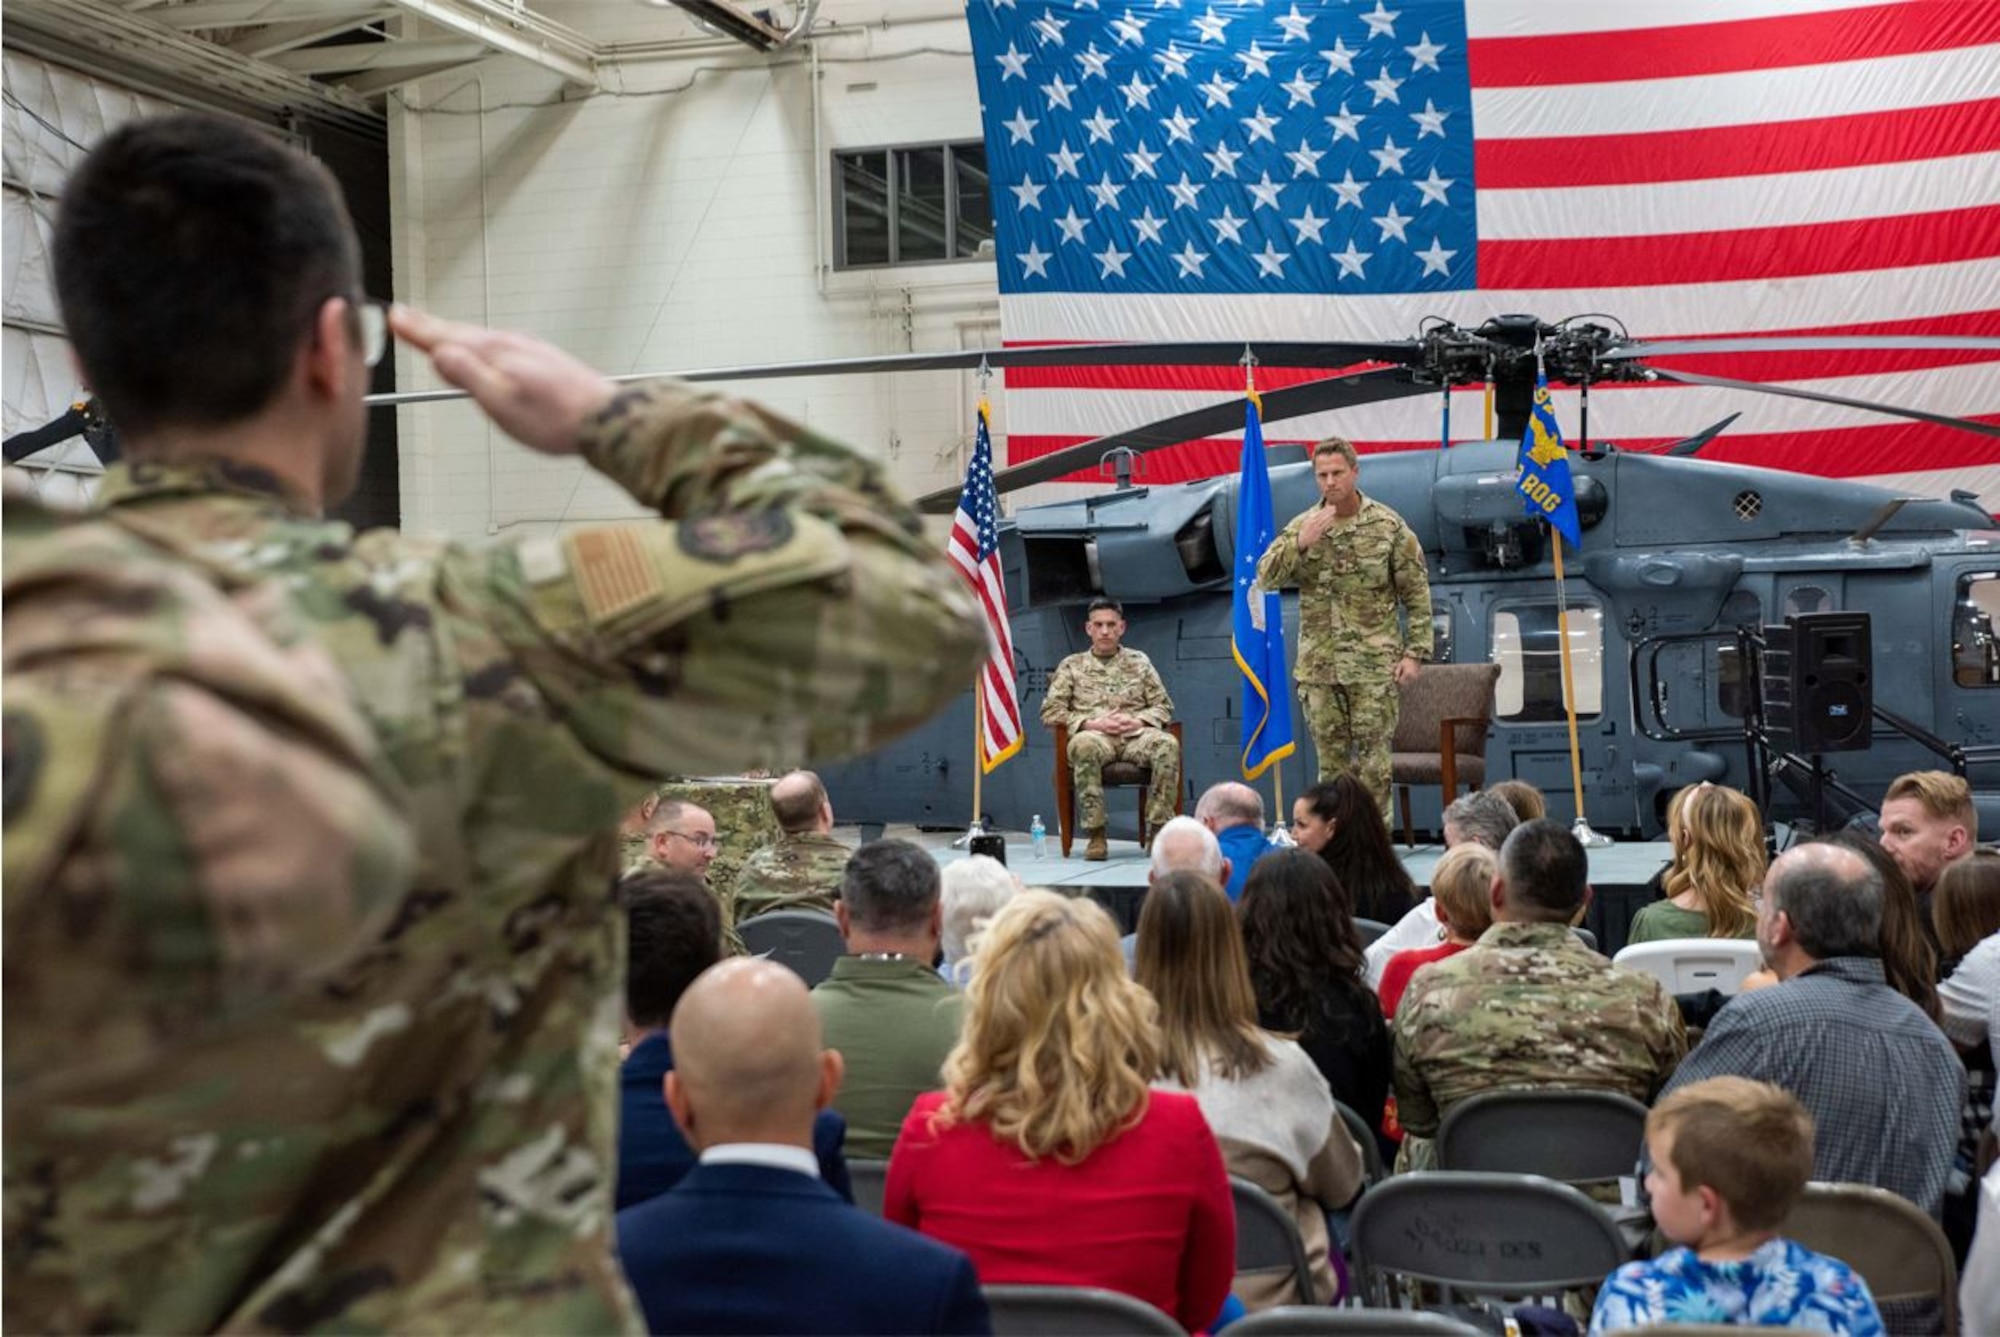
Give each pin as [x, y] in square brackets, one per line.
[1975, 655]
[907, 206]
[1528, 648]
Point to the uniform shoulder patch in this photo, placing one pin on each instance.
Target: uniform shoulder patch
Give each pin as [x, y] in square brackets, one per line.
[724, 538]
[613, 570]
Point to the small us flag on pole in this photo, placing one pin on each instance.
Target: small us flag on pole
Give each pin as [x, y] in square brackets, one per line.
[975, 550]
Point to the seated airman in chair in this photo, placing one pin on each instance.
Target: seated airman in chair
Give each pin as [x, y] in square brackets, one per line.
[1112, 706]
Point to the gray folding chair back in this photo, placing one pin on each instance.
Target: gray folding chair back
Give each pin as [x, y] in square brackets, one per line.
[1372, 1168]
[867, 1178]
[1369, 929]
[1073, 1311]
[1893, 1243]
[806, 940]
[1484, 1234]
[1575, 1136]
[1314, 1320]
[1586, 937]
[1267, 1238]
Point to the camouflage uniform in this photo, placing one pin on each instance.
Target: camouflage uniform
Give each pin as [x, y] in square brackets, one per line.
[1350, 584]
[202, 841]
[800, 872]
[1085, 687]
[1527, 1006]
[743, 820]
[788, 608]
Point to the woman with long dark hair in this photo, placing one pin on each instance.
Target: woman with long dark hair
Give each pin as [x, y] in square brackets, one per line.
[1306, 971]
[1269, 1106]
[1338, 820]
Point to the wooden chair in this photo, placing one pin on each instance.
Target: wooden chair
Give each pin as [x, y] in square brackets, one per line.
[1118, 775]
[1441, 725]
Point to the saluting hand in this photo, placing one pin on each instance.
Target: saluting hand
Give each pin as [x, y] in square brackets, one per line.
[532, 390]
[1316, 526]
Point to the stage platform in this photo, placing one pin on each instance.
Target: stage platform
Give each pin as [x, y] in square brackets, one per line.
[1620, 874]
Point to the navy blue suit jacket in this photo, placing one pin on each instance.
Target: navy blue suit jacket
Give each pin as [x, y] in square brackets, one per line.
[756, 1249]
[652, 1153]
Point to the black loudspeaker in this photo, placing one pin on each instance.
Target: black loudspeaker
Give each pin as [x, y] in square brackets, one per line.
[992, 846]
[1819, 686]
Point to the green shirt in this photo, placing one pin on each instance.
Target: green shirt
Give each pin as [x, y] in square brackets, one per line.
[1663, 919]
[893, 1020]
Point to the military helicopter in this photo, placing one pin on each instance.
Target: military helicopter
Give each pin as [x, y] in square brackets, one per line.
[1666, 602]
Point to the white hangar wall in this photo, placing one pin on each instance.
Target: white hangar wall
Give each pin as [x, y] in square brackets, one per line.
[681, 219]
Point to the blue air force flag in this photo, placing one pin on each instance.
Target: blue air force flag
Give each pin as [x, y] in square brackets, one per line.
[1545, 486]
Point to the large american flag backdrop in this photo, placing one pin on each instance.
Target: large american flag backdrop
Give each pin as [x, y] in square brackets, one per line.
[1175, 169]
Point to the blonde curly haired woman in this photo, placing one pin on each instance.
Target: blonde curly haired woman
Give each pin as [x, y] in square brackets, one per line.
[1047, 1158]
[1719, 862]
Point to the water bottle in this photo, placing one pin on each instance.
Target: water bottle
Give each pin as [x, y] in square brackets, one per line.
[1039, 834]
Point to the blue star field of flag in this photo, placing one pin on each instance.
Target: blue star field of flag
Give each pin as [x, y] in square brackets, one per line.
[977, 503]
[1177, 146]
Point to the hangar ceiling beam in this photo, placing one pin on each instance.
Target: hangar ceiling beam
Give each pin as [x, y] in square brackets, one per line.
[514, 30]
[271, 38]
[381, 55]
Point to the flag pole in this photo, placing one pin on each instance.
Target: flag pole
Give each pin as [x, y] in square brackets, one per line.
[978, 737]
[1584, 835]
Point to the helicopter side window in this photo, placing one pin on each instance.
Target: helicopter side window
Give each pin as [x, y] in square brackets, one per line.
[1440, 635]
[1527, 647]
[1975, 655]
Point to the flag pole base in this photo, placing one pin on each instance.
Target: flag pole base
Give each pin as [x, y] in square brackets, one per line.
[1281, 837]
[1588, 838]
[976, 828]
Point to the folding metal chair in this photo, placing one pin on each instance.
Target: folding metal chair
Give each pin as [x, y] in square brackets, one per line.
[1517, 1236]
[1073, 1311]
[1574, 1136]
[1268, 1239]
[808, 941]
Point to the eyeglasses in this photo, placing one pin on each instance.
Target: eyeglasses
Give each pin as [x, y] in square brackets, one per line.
[703, 842]
[373, 317]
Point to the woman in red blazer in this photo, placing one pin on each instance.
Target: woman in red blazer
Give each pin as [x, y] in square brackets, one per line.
[1046, 1158]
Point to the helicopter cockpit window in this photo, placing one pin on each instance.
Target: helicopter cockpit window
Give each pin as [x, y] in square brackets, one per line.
[1527, 647]
[914, 205]
[1975, 655]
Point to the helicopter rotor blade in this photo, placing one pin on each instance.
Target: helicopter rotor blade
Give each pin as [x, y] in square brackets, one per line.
[1323, 395]
[1800, 343]
[1691, 445]
[1792, 392]
[1212, 353]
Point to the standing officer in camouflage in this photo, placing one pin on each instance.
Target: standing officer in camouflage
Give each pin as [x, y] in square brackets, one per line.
[802, 871]
[783, 605]
[1116, 708]
[1354, 562]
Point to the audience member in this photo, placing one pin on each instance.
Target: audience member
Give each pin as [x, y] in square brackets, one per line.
[1183, 845]
[1481, 817]
[1267, 1104]
[1927, 821]
[1462, 891]
[1046, 1157]
[1235, 813]
[884, 1007]
[750, 1241]
[1879, 1079]
[1979, 1281]
[1339, 820]
[1305, 969]
[802, 871]
[672, 929]
[1730, 1158]
[1523, 798]
[972, 891]
[1529, 1005]
[211, 289]
[1718, 843]
[1967, 907]
[1907, 947]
